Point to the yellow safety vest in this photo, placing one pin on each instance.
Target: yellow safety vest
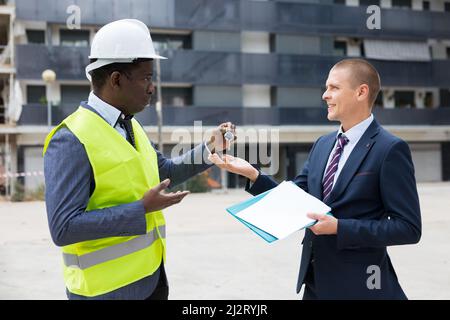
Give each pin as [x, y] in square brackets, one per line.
[122, 175]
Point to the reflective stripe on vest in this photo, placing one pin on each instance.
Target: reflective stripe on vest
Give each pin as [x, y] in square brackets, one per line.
[110, 253]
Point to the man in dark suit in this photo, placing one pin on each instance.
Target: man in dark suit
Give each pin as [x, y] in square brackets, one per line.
[366, 175]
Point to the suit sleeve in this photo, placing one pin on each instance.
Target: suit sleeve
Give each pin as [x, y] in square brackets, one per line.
[264, 182]
[69, 183]
[183, 167]
[401, 223]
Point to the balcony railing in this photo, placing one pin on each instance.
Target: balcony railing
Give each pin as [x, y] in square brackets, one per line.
[232, 68]
[232, 15]
[275, 116]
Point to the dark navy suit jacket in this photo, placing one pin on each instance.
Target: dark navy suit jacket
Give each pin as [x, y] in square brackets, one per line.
[376, 203]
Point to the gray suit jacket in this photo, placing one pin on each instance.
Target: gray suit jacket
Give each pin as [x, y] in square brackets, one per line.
[69, 184]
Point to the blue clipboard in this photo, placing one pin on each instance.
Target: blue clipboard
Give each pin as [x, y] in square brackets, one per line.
[235, 209]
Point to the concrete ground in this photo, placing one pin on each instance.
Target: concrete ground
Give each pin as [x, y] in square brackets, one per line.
[212, 256]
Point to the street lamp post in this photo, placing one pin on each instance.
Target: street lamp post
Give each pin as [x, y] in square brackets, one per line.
[49, 76]
[159, 105]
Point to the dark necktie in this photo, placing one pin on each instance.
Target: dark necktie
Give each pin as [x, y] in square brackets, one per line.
[332, 167]
[125, 123]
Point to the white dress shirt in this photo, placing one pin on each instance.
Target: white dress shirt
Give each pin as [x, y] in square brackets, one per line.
[107, 111]
[353, 135]
[111, 114]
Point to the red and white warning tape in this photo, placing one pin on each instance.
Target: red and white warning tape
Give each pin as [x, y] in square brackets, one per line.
[21, 174]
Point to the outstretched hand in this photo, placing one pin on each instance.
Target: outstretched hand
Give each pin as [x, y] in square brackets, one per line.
[234, 165]
[156, 199]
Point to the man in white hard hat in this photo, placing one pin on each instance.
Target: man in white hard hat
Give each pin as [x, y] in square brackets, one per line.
[103, 191]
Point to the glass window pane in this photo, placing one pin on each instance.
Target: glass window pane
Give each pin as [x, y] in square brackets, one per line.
[164, 42]
[72, 94]
[211, 96]
[217, 41]
[401, 4]
[297, 44]
[36, 94]
[340, 48]
[74, 38]
[404, 99]
[177, 97]
[36, 36]
[299, 97]
[447, 7]
[369, 2]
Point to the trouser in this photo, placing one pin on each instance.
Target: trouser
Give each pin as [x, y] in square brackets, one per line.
[310, 287]
[161, 291]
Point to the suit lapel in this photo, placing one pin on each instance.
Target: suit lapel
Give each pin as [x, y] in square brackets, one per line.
[355, 159]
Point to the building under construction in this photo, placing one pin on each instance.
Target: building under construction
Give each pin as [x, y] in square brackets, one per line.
[259, 64]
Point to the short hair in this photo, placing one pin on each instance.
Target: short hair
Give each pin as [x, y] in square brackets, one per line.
[362, 72]
[100, 75]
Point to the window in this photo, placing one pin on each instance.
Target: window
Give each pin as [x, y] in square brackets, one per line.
[340, 48]
[2, 115]
[404, 99]
[447, 6]
[273, 96]
[164, 42]
[71, 95]
[379, 100]
[299, 97]
[217, 41]
[362, 49]
[36, 36]
[273, 42]
[404, 4]
[74, 38]
[444, 97]
[428, 100]
[215, 96]
[426, 6]
[297, 44]
[339, 1]
[256, 95]
[177, 97]
[36, 94]
[369, 2]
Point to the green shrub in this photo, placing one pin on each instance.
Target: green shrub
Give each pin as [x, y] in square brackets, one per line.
[37, 194]
[19, 192]
[196, 184]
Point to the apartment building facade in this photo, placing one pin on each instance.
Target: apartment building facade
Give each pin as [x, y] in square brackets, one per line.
[261, 64]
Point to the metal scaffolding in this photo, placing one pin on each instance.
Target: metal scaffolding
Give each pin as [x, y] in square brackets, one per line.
[7, 75]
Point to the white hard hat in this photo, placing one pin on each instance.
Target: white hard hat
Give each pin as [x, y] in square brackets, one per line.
[121, 41]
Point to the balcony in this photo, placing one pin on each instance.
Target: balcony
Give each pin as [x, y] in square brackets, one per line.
[228, 68]
[231, 15]
[211, 116]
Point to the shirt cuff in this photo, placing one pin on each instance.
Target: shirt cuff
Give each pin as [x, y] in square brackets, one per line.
[249, 183]
[206, 146]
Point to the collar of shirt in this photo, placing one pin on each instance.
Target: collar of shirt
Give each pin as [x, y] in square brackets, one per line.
[355, 133]
[107, 111]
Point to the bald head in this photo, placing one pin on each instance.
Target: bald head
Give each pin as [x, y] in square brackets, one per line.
[362, 72]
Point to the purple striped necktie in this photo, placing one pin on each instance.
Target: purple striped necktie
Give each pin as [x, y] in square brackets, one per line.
[332, 167]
